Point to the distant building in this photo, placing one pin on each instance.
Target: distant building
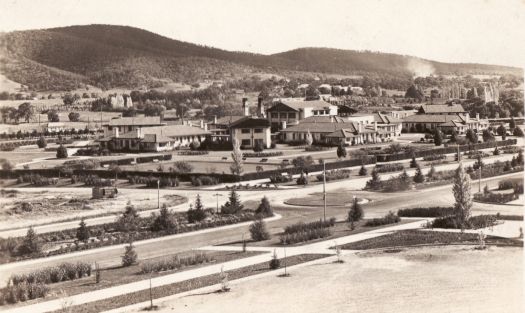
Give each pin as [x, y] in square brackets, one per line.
[103, 192]
[153, 139]
[126, 124]
[458, 122]
[55, 127]
[287, 113]
[441, 109]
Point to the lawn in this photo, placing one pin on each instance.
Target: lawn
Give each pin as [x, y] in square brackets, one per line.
[431, 280]
[332, 199]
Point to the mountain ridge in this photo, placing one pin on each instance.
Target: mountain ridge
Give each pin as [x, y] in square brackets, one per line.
[124, 56]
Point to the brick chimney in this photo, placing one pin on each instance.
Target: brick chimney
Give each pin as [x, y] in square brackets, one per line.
[245, 108]
[260, 108]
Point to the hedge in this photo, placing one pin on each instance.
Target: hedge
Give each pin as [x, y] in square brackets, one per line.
[445, 150]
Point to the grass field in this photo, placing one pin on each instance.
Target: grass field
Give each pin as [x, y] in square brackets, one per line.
[432, 280]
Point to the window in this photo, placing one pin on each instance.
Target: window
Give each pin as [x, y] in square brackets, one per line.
[291, 115]
[130, 128]
[245, 131]
[258, 141]
[246, 142]
[258, 130]
[275, 115]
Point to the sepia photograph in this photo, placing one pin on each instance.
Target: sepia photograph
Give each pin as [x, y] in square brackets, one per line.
[262, 156]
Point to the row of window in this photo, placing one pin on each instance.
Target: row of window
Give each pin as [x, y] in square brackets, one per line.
[247, 130]
[248, 142]
[283, 115]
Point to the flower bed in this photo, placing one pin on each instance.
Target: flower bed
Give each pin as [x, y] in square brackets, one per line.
[335, 175]
[176, 262]
[498, 198]
[187, 285]
[193, 152]
[301, 232]
[261, 154]
[475, 222]
[390, 218]
[426, 212]
[393, 167]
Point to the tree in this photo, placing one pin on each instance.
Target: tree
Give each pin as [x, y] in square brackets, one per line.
[129, 220]
[196, 214]
[258, 230]
[438, 137]
[462, 196]
[454, 136]
[419, 177]
[395, 148]
[25, 111]
[431, 172]
[375, 182]
[41, 142]
[74, 116]
[363, 171]
[164, 221]
[6, 165]
[413, 162]
[519, 159]
[258, 147]
[62, 152]
[356, 213]
[496, 151]
[237, 165]
[487, 135]
[341, 151]
[69, 99]
[30, 244]
[52, 116]
[233, 205]
[116, 170]
[502, 131]
[512, 123]
[82, 231]
[264, 208]
[309, 138]
[517, 132]
[414, 92]
[130, 256]
[404, 177]
[472, 137]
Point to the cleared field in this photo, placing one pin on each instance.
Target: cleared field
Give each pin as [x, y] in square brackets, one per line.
[451, 279]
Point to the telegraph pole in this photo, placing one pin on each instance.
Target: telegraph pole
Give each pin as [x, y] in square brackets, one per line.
[217, 195]
[324, 191]
[158, 193]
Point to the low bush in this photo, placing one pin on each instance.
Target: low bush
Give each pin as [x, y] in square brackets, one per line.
[261, 154]
[316, 148]
[20, 293]
[36, 180]
[335, 175]
[303, 236]
[426, 212]
[391, 167]
[276, 179]
[175, 263]
[302, 180]
[301, 226]
[434, 157]
[193, 152]
[491, 197]
[258, 230]
[475, 222]
[275, 263]
[509, 184]
[204, 181]
[390, 218]
[54, 274]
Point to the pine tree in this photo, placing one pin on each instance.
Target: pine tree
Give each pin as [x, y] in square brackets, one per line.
[356, 213]
[413, 162]
[341, 151]
[404, 177]
[164, 221]
[233, 205]
[130, 256]
[41, 142]
[82, 231]
[62, 152]
[375, 182]
[264, 208]
[129, 220]
[419, 177]
[438, 137]
[519, 159]
[30, 244]
[258, 230]
[197, 213]
[462, 195]
[363, 171]
[512, 123]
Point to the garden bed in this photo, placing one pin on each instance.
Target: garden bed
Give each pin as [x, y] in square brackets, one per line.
[187, 285]
[407, 238]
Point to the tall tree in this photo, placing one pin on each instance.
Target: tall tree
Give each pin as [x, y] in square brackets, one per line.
[462, 196]
[233, 205]
[472, 136]
[82, 231]
[356, 213]
[487, 135]
[237, 166]
[341, 151]
[512, 123]
[438, 137]
[26, 111]
[30, 244]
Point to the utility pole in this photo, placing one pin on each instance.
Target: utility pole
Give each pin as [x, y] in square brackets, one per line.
[324, 191]
[217, 195]
[158, 193]
[479, 177]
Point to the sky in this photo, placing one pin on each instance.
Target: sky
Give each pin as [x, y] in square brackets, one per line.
[473, 31]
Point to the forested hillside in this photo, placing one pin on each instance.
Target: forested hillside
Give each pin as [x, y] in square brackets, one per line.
[120, 56]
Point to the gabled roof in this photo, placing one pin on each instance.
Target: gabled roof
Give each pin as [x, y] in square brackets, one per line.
[342, 133]
[250, 122]
[324, 119]
[441, 108]
[425, 118]
[295, 105]
[385, 119]
[321, 127]
[164, 133]
[227, 120]
[137, 121]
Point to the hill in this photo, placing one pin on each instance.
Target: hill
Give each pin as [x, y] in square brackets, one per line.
[119, 56]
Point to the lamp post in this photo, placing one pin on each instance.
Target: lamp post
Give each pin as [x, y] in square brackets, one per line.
[158, 194]
[324, 191]
[217, 195]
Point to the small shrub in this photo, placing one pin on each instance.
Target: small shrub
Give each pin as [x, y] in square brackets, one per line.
[390, 218]
[130, 256]
[258, 230]
[275, 263]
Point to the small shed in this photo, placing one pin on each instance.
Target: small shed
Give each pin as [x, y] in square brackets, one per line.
[104, 192]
